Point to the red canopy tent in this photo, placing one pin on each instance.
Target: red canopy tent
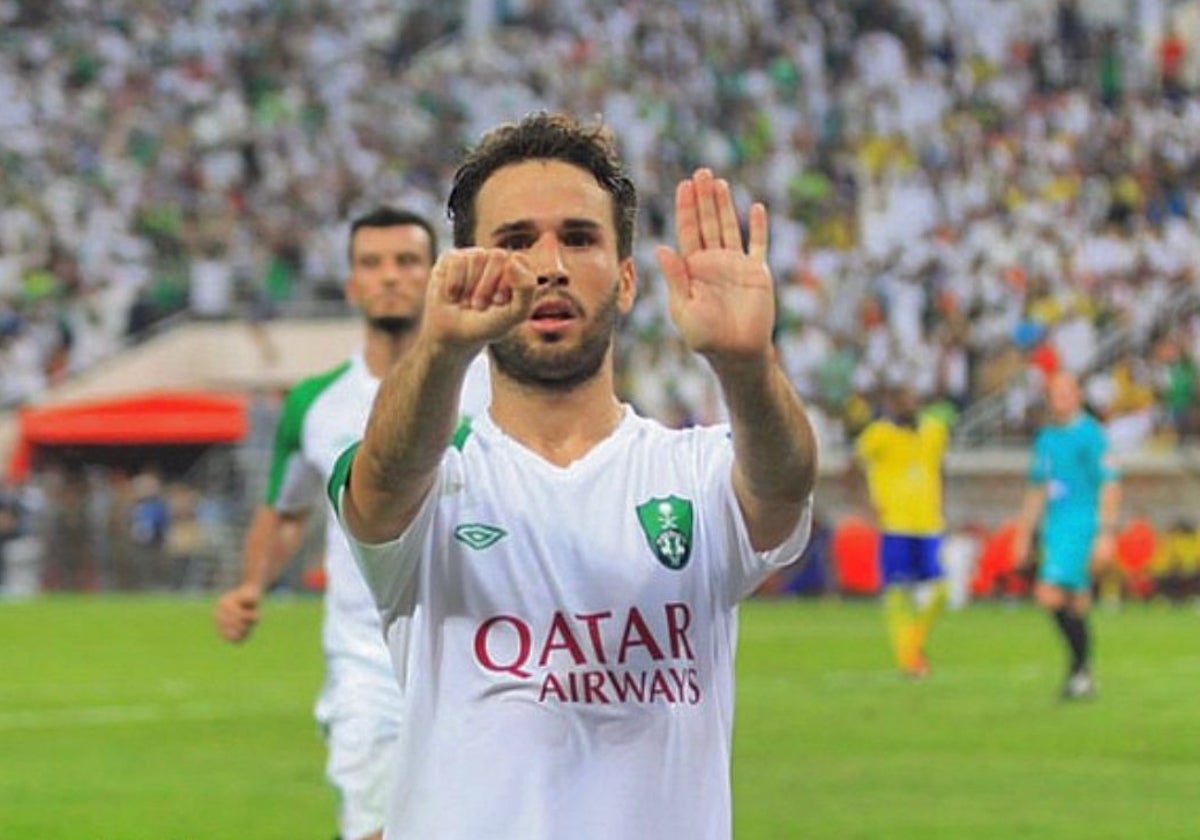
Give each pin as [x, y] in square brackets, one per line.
[174, 418]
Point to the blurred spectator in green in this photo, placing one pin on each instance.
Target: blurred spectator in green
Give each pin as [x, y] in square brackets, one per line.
[1177, 386]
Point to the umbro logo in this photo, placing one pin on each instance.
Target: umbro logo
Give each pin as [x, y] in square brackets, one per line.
[478, 536]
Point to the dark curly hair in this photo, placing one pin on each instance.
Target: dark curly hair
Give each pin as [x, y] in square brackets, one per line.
[544, 136]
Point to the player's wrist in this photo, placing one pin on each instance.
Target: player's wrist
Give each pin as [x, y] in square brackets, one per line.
[741, 366]
[253, 587]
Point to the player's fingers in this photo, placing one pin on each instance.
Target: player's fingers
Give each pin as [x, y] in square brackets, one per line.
[518, 282]
[758, 232]
[232, 626]
[488, 269]
[451, 271]
[706, 208]
[226, 605]
[476, 265]
[244, 623]
[731, 232]
[687, 222]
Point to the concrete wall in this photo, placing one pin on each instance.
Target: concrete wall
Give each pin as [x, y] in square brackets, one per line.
[986, 486]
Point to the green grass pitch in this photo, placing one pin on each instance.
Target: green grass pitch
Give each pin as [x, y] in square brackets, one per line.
[124, 718]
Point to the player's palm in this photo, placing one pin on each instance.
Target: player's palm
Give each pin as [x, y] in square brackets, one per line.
[720, 294]
[723, 303]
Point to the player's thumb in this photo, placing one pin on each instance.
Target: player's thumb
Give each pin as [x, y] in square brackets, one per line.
[522, 280]
[248, 600]
[511, 301]
[674, 271]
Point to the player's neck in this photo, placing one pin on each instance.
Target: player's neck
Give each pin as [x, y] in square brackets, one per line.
[560, 426]
[383, 349]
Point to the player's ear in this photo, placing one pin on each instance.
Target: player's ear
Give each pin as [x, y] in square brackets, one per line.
[351, 290]
[626, 286]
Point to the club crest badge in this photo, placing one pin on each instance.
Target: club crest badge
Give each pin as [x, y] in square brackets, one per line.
[667, 524]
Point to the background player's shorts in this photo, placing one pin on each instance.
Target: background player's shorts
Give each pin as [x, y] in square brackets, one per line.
[1067, 557]
[908, 559]
[360, 718]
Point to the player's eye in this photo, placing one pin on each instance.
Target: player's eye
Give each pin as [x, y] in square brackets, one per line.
[515, 241]
[578, 238]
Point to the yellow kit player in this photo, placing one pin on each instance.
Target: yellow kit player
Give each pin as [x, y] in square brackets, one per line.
[901, 454]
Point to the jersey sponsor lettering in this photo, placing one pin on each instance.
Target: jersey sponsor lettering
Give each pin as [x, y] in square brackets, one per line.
[598, 657]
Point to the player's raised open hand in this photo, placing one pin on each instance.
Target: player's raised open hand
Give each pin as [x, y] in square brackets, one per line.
[476, 295]
[720, 291]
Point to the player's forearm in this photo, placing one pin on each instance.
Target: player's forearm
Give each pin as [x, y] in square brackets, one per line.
[255, 556]
[1031, 513]
[1110, 506]
[411, 422]
[774, 443]
[270, 544]
[413, 417]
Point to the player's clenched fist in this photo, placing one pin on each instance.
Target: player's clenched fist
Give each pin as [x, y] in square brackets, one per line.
[477, 294]
[237, 612]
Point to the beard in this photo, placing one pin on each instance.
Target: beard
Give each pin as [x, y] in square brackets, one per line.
[547, 365]
[393, 325]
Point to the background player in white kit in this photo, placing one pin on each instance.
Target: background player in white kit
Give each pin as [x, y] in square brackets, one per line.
[559, 581]
[391, 253]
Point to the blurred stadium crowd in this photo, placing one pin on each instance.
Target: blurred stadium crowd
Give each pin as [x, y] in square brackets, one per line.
[965, 194]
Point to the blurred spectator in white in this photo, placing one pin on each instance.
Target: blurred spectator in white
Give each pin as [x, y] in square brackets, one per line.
[1000, 159]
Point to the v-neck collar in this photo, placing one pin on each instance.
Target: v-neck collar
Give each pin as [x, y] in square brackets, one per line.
[597, 454]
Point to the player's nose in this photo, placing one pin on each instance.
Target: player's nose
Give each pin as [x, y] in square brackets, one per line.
[546, 261]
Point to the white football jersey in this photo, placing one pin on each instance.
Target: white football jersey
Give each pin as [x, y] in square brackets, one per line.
[564, 637]
[321, 416]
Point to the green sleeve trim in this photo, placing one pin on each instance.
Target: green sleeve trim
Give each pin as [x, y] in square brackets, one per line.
[340, 475]
[341, 469]
[461, 433]
[288, 433]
